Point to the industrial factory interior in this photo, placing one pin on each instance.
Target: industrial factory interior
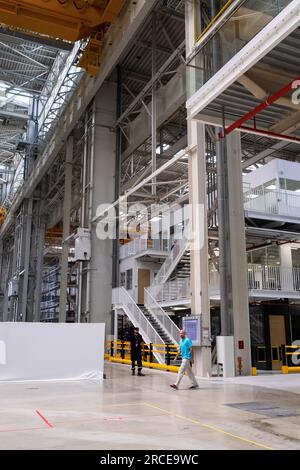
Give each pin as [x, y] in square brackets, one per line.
[149, 227]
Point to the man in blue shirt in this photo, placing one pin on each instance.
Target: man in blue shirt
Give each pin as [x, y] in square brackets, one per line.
[187, 361]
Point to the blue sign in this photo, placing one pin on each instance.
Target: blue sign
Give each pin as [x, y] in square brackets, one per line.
[192, 327]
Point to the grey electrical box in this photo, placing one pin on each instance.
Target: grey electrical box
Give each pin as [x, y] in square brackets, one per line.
[225, 355]
[13, 287]
[82, 245]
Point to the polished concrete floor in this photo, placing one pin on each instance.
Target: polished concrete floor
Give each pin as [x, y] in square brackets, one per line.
[127, 412]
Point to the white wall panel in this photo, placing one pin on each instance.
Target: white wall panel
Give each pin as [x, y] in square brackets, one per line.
[37, 351]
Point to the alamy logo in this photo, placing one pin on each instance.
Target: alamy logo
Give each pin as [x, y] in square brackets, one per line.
[154, 221]
[296, 353]
[2, 353]
[296, 93]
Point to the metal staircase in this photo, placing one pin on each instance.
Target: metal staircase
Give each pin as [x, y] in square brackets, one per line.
[183, 268]
[150, 327]
[156, 325]
[171, 262]
[176, 269]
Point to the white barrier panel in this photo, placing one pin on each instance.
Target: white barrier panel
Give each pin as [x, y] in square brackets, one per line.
[49, 351]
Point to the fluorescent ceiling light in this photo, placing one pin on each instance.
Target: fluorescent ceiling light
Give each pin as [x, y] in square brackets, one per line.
[271, 186]
[164, 147]
[4, 86]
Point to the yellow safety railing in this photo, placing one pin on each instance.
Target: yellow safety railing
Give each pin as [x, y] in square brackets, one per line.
[120, 351]
[261, 354]
[212, 22]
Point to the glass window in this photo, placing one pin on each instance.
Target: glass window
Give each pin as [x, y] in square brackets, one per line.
[122, 279]
[259, 191]
[296, 257]
[270, 185]
[269, 256]
[289, 185]
[248, 20]
[129, 279]
[257, 328]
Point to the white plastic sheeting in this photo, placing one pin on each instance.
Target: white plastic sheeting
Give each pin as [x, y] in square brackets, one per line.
[47, 351]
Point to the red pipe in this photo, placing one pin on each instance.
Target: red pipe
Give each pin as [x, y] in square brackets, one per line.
[265, 104]
[270, 134]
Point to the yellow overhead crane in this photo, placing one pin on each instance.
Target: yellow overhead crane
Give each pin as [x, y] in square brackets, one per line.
[64, 19]
[70, 20]
[2, 215]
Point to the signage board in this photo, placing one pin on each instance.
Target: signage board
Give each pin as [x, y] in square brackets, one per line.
[192, 327]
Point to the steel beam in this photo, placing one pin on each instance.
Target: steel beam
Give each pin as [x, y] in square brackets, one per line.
[11, 114]
[44, 41]
[66, 231]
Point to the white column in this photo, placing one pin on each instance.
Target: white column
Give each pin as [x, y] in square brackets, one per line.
[239, 277]
[103, 189]
[199, 256]
[198, 201]
[286, 265]
[195, 68]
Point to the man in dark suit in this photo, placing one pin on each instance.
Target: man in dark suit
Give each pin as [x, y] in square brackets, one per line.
[136, 341]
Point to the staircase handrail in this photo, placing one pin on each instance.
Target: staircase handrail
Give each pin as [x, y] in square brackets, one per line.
[122, 297]
[177, 289]
[162, 317]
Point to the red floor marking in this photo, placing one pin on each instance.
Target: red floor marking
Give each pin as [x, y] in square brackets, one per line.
[44, 419]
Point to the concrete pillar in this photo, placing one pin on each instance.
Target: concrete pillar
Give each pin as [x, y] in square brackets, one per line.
[191, 26]
[198, 200]
[199, 254]
[2, 278]
[41, 229]
[103, 190]
[224, 239]
[238, 258]
[25, 261]
[4, 281]
[66, 231]
[10, 303]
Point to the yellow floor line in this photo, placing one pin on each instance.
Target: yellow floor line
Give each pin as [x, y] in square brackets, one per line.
[213, 428]
[124, 404]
